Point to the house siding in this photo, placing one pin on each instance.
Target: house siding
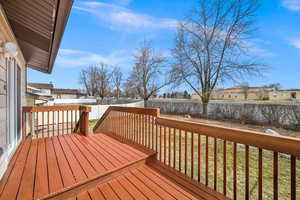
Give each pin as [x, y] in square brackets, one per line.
[7, 35]
[3, 106]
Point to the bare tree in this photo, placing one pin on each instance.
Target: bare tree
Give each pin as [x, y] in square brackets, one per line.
[276, 86]
[95, 80]
[117, 78]
[147, 76]
[103, 76]
[129, 91]
[88, 78]
[211, 45]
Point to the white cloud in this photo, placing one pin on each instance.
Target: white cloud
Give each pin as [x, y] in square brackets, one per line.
[78, 58]
[295, 43]
[255, 49]
[261, 52]
[293, 5]
[119, 17]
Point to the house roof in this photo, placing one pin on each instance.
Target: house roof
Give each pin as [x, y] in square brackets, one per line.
[39, 97]
[65, 91]
[41, 85]
[39, 27]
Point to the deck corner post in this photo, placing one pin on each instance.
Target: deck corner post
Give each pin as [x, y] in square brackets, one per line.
[84, 123]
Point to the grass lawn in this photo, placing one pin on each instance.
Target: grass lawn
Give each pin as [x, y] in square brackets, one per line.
[284, 164]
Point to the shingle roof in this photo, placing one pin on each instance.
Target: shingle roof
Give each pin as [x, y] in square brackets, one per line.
[41, 85]
[65, 91]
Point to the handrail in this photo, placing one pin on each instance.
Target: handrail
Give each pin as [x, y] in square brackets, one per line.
[50, 108]
[191, 148]
[135, 110]
[282, 144]
[46, 121]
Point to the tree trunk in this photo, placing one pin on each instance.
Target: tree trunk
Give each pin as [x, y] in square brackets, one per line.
[145, 103]
[205, 101]
[118, 94]
[204, 108]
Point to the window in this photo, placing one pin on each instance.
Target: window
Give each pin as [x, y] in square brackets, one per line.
[14, 102]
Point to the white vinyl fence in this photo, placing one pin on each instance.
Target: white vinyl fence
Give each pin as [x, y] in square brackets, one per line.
[99, 110]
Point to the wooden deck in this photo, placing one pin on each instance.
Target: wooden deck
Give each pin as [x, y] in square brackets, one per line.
[93, 167]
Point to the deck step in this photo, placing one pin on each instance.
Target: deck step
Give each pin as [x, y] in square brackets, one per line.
[92, 182]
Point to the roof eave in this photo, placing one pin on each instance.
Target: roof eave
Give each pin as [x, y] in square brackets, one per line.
[64, 9]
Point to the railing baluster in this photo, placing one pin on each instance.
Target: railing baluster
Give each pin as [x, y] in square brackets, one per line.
[165, 148]
[62, 122]
[206, 162]
[247, 172]
[185, 152]
[180, 143]
[215, 164]
[53, 118]
[148, 126]
[67, 121]
[48, 124]
[126, 125]
[156, 138]
[192, 155]
[275, 175]
[121, 132]
[174, 148]
[31, 124]
[76, 116]
[225, 167]
[37, 125]
[144, 132]
[152, 132]
[134, 128]
[260, 174]
[199, 157]
[160, 142]
[43, 125]
[140, 129]
[57, 122]
[170, 149]
[293, 178]
[234, 168]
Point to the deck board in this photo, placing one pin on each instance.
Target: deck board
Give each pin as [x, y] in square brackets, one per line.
[65, 169]
[74, 164]
[28, 178]
[134, 185]
[12, 185]
[41, 177]
[54, 174]
[64, 166]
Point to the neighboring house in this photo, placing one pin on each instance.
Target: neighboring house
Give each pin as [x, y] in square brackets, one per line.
[240, 93]
[48, 91]
[66, 93]
[44, 88]
[30, 35]
[34, 97]
[293, 94]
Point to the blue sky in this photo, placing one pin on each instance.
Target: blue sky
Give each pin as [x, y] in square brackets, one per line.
[110, 31]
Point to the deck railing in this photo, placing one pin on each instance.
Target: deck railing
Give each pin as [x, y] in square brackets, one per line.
[240, 164]
[47, 121]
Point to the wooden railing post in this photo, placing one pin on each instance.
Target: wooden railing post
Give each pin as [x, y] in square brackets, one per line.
[84, 123]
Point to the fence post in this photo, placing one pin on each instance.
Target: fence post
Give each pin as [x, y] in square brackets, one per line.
[84, 123]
